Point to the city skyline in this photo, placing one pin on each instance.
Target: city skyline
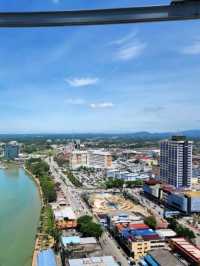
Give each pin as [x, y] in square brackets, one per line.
[122, 78]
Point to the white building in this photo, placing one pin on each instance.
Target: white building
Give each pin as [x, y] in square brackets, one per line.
[64, 212]
[176, 161]
[78, 158]
[94, 261]
[125, 175]
[99, 159]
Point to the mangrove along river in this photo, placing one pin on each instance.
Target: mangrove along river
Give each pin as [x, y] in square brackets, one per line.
[19, 216]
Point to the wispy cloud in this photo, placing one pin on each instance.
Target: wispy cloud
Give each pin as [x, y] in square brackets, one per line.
[193, 49]
[128, 47]
[56, 1]
[102, 105]
[81, 82]
[131, 51]
[125, 39]
[76, 101]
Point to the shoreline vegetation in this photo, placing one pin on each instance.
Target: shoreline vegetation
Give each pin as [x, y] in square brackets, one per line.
[35, 250]
[47, 233]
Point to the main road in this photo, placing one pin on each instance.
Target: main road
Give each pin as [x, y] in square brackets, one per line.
[73, 195]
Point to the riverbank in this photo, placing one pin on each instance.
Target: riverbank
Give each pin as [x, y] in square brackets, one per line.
[37, 183]
[46, 231]
[36, 246]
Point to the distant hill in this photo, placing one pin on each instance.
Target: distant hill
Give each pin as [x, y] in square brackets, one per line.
[191, 134]
[143, 135]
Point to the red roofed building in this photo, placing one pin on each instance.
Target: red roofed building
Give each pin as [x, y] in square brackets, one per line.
[186, 249]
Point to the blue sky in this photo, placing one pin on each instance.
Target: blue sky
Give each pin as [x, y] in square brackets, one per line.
[117, 78]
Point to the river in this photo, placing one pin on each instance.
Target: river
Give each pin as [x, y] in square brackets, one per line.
[19, 216]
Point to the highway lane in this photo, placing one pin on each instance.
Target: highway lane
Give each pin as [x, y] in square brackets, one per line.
[73, 195]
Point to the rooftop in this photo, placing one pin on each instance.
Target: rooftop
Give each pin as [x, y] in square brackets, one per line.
[121, 226]
[100, 152]
[67, 240]
[164, 257]
[64, 212]
[94, 261]
[134, 234]
[188, 249]
[166, 233]
[46, 257]
[178, 138]
[79, 152]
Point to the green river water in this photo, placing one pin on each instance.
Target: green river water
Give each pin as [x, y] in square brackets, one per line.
[19, 215]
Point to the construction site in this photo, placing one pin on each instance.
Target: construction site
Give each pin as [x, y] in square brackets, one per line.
[107, 203]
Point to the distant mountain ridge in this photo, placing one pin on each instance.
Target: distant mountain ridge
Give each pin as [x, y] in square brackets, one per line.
[161, 135]
[141, 135]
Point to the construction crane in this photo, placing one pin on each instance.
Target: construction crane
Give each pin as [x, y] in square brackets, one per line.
[177, 10]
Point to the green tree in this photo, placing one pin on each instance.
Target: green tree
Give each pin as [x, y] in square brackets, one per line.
[151, 221]
[180, 229]
[114, 183]
[84, 219]
[89, 228]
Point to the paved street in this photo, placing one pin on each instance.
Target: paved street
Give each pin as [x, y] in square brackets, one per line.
[73, 195]
[111, 247]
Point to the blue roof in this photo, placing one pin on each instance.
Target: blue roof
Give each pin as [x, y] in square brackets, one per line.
[150, 261]
[143, 263]
[46, 258]
[137, 232]
[66, 240]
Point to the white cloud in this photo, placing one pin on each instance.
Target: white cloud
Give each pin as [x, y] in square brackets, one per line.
[130, 51]
[125, 39]
[77, 101]
[102, 105]
[193, 49]
[81, 82]
[128, 47]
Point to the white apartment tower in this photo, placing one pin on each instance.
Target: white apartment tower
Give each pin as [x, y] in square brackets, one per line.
[176, 161]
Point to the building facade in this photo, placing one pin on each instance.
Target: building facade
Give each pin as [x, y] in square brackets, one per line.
[11, 150]
[176, 162]
[99, 159]
[78, 158]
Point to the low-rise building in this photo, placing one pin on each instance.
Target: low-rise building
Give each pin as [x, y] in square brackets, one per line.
[93, 261]
[190, 252]
[139, 239]
[99, 159]
[185, 201]
[65, 217]
[126, 176]
[46, 257]
[78, 158]
[161, 257]
[166, 233]
[79, 247]
[122, 218]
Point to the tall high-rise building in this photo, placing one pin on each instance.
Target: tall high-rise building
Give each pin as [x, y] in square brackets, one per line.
[11, 150]
[176, 161]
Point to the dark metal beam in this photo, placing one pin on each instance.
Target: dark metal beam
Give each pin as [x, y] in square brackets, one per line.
[179, 11]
